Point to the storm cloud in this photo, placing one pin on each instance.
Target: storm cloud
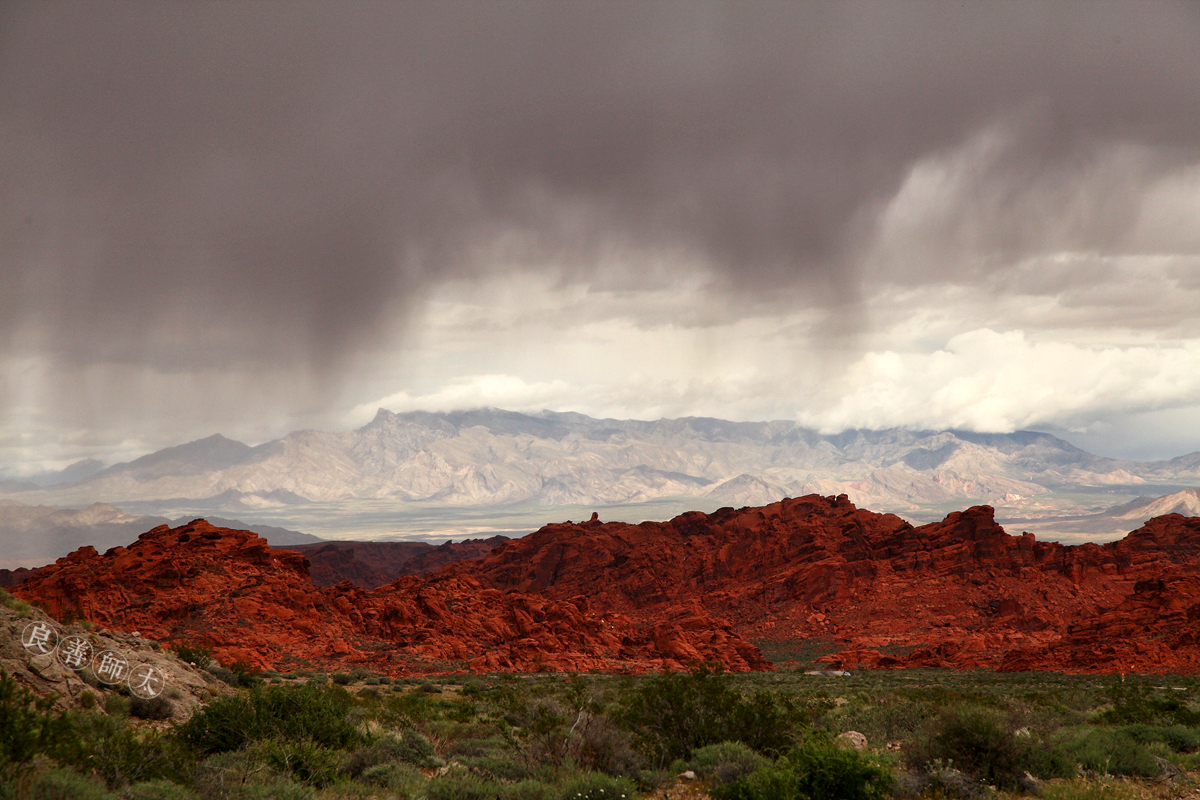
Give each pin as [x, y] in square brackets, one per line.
[197, 189]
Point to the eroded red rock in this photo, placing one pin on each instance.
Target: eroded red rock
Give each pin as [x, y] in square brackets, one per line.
[959, 593]
[228, 589]
[869, 588]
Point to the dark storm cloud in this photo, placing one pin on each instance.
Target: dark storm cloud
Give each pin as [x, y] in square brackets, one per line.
[195, 183]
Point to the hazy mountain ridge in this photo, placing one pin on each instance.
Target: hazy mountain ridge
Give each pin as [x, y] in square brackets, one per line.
[494, 457]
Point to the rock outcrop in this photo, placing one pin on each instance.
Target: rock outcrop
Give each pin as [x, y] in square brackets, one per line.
[957, 593]
[870, 589]
[229, 590]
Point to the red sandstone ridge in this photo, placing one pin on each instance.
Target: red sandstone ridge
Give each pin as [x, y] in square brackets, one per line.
[957, 593]
[227, 588]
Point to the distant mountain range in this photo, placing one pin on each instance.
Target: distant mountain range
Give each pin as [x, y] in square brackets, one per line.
[490, 458]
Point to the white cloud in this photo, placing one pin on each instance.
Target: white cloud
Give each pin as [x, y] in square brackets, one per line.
[989, 381]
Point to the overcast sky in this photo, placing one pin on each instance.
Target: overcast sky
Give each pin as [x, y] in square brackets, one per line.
[256, 217]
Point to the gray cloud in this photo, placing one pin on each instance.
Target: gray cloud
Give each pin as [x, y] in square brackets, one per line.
[199, 185]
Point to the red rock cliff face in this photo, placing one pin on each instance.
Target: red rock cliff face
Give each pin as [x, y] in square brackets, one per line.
[957, 593]
[227, 588]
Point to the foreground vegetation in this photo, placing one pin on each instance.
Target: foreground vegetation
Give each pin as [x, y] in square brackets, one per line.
[592, 737]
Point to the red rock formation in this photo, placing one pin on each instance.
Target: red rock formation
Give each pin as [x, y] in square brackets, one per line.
[957, 593]
[14, 577]
[228, 589]
[372, 564]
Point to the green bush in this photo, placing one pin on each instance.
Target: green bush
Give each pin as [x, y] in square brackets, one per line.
[29, 725]
[154, 708]
[462, 785]
[530, 790]
[341, 678]
[117, 705]
[22, 608]
[303, 759]
[409, 748]
[977, 741]
[675, 713]
[597, 786]
[278, 712]
[1111, 752]
[66, 784]
[1139, 703]
[817, 770]
[199, 655]
[397, 777]
[119, 753]
[158, 790]
[725, 762]
[1180, 738]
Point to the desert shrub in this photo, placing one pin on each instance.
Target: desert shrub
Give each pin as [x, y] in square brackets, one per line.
[22, 608]
[29, 725]
[341, 678]
[158, 790]
[979, 742]
[725, 762]
[889, 720]
[397, 777]
[940, 781]
[499, 766]
[1111, 752]
[409, 748]
[196, 654]
[222, 674]
[87, 699]
[415, 749]
[530, 790]
[1180, 738]
[318, 679]
[245, 674]
[383, 681]
[278, 712]
[66, 784]
[1139, 703]
[596, 786]
[154, 708]
[120, 754]
[117, 705]
[816, 770]
[675, 713]
[462, 785]
[304, 759]
[429, 688]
